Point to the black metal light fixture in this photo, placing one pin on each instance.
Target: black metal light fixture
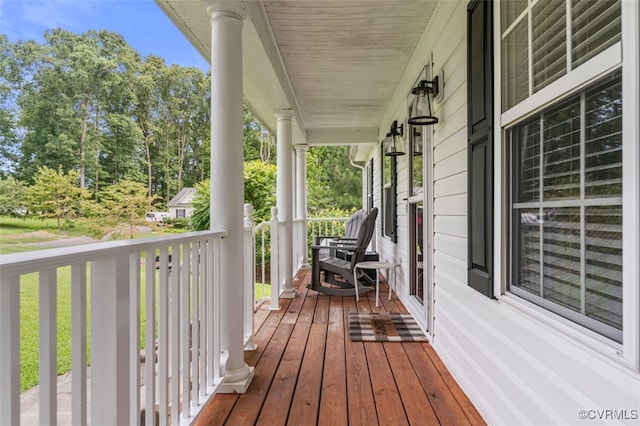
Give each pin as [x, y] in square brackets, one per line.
[393, 144]
[421, 111]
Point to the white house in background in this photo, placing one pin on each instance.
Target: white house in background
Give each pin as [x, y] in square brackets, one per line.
[516, 215]
[181, 206]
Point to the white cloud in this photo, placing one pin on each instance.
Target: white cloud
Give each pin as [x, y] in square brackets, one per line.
[28, 19]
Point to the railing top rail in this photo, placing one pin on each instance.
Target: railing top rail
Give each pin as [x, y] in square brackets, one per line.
[318, 219]
[261, 225]
[26, 262]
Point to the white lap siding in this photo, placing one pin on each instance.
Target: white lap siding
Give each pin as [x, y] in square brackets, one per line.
[517, 367]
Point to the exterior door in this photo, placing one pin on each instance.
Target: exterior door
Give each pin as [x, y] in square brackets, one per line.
[420, 223]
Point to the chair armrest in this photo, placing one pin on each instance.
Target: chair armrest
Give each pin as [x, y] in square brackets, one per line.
[318, 238]
[337, 241]
[338, 246]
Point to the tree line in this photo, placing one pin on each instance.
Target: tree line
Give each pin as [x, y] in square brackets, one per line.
[90, 107]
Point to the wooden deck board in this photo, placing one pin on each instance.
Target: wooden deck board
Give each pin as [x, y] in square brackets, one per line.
[387, 399]
[304, 407]
[442, 400]
[309, 372]
[360, 400]
[276, 406]
[333, 398]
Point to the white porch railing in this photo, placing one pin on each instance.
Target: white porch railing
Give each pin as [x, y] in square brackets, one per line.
[327, 226]
[180, 272]
[267, 234]
[249, 277]
[175, 279]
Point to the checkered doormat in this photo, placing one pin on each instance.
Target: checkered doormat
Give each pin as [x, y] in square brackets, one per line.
[384, 327]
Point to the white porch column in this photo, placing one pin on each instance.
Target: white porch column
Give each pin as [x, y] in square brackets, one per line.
[301, 197]
[227, 183]
[284, 201]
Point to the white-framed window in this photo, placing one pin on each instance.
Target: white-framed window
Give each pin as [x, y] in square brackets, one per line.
[600, 44]
[181, 213]
[544, 40]
[566, 207]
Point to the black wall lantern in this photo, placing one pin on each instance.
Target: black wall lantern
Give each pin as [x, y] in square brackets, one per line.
[421, 111]
[393, 141]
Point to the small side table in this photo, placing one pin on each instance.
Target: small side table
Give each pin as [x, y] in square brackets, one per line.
[377, 265]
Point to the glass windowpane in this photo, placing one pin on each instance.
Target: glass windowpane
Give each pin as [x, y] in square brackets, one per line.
[561, 158]
[515, 66]
[604, 264]
[603, 144]
[528, 255]
[509, 11]
[561, 258]
[549, 42]
[528, 161]
[596, 25]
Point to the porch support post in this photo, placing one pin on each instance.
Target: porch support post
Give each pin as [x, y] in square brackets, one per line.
[227, 184]
[285, 202]
[301, 199]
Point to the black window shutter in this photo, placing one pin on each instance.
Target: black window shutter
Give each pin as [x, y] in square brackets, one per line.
[480, 144]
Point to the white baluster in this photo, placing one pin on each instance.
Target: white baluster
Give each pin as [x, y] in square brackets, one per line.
[110, 398]
[249, 277]
[150, 340]
[275, 273]
[10, 350]
[48, 319]
[79, 344]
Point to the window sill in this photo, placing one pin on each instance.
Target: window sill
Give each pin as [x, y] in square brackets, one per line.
[600, 346]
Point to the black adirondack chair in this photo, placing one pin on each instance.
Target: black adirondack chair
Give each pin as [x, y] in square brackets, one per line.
[334, 267]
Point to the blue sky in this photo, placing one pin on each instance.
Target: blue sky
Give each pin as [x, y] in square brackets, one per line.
[141, 22]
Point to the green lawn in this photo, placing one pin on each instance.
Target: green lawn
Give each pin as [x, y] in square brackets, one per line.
[12, 227]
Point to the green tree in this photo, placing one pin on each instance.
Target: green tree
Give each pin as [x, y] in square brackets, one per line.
[258, 144]
[260, 188]
[126, 200]
[9, 75]
[259, 191]
[12, 197]
[200, 218]
[332, 181]
[56, 194]
[72, 85]
[173, 112]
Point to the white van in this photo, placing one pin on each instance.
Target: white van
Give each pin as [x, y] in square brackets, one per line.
[156, 216]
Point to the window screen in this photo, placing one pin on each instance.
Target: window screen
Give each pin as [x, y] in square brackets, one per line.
[566, 207]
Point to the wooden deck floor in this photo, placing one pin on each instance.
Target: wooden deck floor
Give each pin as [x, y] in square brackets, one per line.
[309, 372]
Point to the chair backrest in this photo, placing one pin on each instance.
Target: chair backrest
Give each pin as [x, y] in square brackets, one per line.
[364, 237]
[354, 223]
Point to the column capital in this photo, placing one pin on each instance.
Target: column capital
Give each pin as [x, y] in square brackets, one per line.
[301, 148]
[285, 113]
[225, 8]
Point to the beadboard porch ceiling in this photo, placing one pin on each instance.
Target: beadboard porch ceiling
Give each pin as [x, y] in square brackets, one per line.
[336, 63]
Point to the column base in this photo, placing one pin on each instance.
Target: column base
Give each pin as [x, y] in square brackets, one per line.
[237, 381]
[288, 293]
[305, 267]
